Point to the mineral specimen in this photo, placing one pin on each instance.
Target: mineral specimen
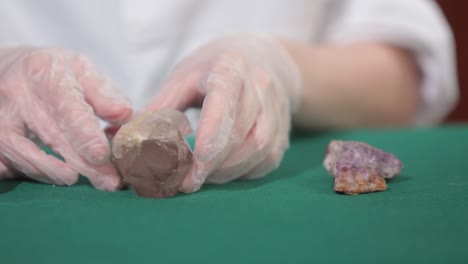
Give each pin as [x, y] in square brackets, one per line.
[151, 153]
[359, 167]
[354, 180]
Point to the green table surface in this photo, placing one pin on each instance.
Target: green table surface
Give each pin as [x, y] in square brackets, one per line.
[291, 216]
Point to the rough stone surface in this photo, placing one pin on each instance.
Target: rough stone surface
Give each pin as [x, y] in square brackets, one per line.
[359, 167]
[151, 153]
[359, 180]
[346, 154]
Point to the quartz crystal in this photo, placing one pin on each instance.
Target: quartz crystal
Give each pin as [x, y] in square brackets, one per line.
[151, 153]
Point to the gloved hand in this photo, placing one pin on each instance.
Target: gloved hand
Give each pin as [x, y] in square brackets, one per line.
[56, 95]
[248, 87]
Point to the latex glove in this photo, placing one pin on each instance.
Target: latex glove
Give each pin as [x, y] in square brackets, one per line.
[248, 87]
[56, 95]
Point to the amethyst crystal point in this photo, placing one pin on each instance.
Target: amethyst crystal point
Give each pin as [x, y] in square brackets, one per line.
[151, 153]
[347, 154]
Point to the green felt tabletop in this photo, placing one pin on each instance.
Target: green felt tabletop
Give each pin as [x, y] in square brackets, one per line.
[291, 216]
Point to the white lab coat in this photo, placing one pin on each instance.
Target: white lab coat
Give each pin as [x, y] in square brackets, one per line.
[137, 42]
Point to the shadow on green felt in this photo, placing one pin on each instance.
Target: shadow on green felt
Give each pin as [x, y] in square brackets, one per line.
[399, 179]
[11, 184]
[8, 185]
[306, 153]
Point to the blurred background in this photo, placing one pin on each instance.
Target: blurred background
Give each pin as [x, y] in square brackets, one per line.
[456, 13]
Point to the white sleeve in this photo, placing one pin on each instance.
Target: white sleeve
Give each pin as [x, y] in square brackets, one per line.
[416, 25]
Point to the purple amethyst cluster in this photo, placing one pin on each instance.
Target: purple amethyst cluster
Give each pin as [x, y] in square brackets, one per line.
[347, 154]
[359, 168]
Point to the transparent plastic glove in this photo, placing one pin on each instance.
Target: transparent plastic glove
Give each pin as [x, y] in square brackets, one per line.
[248, 87]
[56, 95]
